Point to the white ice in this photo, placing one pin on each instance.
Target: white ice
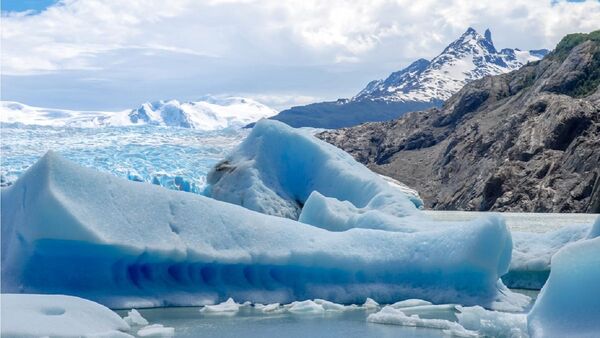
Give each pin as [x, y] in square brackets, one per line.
[282, 171]
[455, 320]
[569, 303]
[33, 315]
[210, 113]
[74, 230]
[135, 318]
[228, 306]
[156, 330]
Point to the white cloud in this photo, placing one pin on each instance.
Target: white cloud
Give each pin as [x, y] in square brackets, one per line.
[296, 43]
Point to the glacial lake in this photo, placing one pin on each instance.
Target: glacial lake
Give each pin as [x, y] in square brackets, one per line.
[252, 323]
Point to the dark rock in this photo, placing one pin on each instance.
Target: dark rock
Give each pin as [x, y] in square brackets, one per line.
[528, 140]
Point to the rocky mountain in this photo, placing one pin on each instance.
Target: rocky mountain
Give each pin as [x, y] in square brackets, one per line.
[209, 113]
[528, 140]
[421, 85]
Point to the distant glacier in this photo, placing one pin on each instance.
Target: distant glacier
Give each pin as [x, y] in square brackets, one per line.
[210, 113]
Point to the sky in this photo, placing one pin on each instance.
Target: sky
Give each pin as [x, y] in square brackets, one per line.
[114, 54]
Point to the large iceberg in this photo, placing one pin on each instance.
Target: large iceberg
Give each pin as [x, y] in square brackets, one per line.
[569, 303]
[73, 230]
[282, 171]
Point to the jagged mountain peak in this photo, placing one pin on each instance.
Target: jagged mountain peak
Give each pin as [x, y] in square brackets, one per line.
[471, 56]
[488, 36]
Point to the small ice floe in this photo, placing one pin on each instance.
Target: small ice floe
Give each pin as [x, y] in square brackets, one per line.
[331, 306]
[389, 315]
[156, 330]
[135, 318]
[409, 303]
[227, 307]
[370, 304]
[452, 319]
[269, 308]
[318, 306]
[306, 306]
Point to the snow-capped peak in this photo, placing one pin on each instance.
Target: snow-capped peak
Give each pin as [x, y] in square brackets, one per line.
[209, 113]
[470, 57]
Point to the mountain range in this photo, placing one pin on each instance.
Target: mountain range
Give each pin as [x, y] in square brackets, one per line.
[421, 85]
[210, 113]
[527, 140]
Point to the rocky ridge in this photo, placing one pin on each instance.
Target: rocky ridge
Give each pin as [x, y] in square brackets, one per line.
[528, 140]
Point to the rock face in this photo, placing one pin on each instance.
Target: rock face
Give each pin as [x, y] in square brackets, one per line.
[528, 140]
[421, 85]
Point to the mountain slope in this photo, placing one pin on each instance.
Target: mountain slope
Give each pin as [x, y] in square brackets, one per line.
[472, 56]
[523, 141]
[207, 114]
[421, 85]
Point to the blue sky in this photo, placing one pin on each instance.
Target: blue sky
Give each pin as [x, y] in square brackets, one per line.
[113, 54]
[25, 5]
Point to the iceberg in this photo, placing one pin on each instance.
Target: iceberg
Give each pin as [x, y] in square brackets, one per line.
[72, 230]
[156, 330]
[58, 316]
[228, 306]
[455, 320]
[305, 307]
[569, 303]
[532, 252]
[278, 170]
[134, 318]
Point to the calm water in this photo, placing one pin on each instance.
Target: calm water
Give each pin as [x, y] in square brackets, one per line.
[190, 322]
[248, 322]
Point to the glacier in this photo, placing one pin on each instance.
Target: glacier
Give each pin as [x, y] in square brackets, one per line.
[282, 171]
[176, 158]
[209, 113]
[73, 230]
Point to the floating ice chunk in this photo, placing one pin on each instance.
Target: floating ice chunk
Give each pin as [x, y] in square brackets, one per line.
[370, 304]
[276, 169]
[441, 311]
[492, 323]
[306, 306]
[135, 318]
[274, 307]
[73, 230]
[29, 315]
[227, 306]
[389, 315]
[569, 303]
[156, 330]
[331, 306]
[409, 303]
[456, 320]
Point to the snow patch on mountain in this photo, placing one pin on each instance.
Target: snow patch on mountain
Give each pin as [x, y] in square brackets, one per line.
[210, 113]
[472, 56]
